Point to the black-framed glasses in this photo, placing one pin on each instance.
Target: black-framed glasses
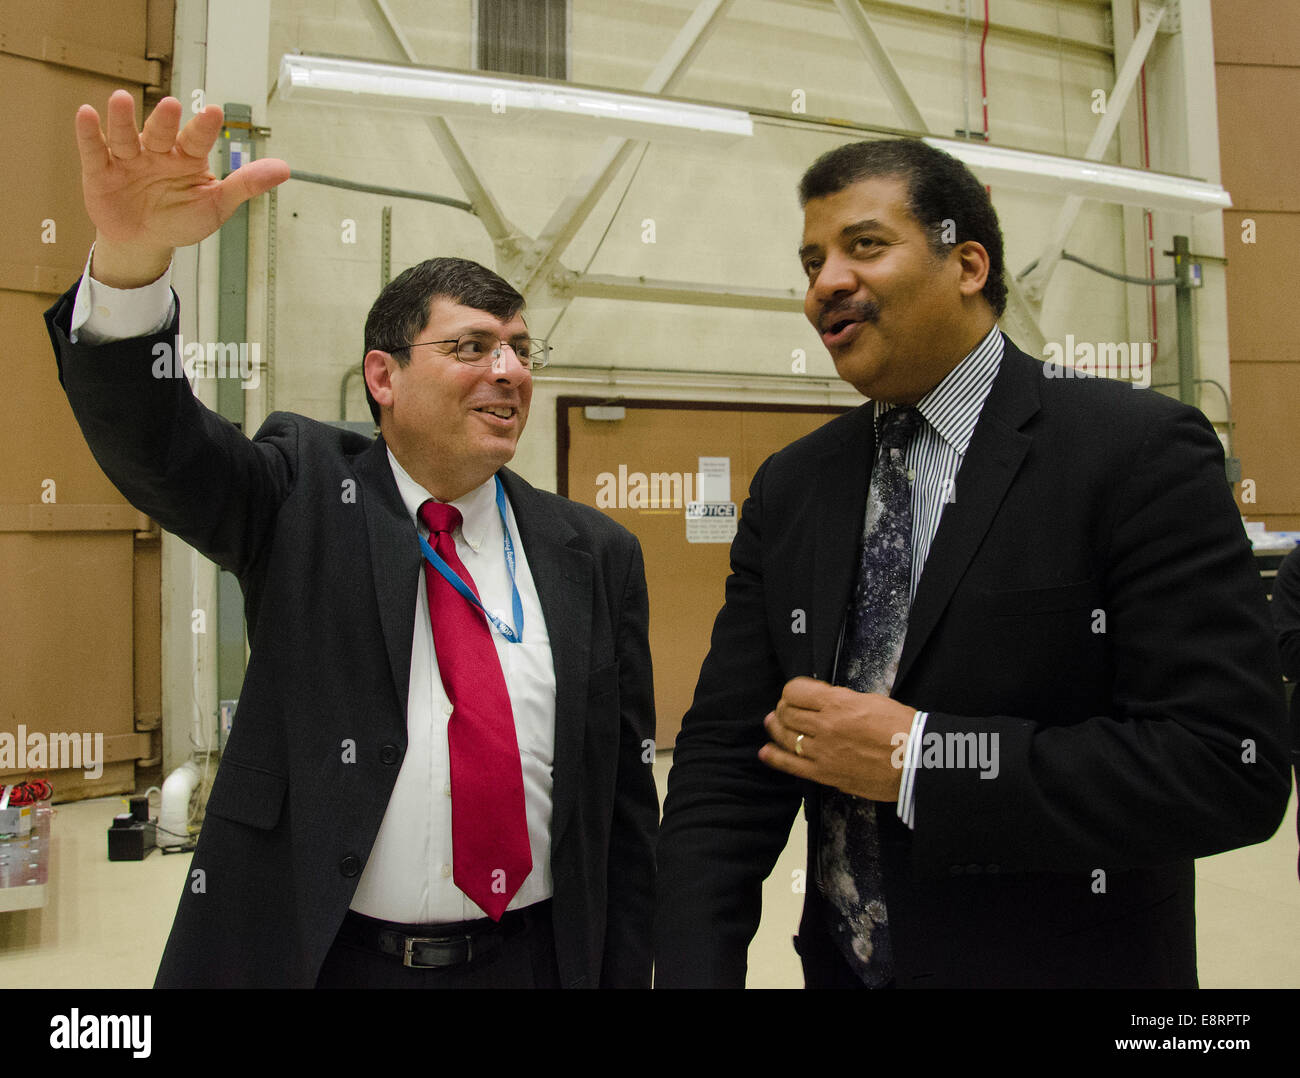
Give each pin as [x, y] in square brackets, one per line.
[482, 349]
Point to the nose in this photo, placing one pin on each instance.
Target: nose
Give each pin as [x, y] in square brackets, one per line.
[506, 366]
[835, 277]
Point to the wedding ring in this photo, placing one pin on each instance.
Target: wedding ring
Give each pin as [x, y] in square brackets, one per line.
[798, 745]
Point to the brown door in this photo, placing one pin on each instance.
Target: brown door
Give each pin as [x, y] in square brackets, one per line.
[675, 474]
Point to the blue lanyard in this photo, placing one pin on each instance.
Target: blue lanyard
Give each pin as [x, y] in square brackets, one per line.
[453, 578]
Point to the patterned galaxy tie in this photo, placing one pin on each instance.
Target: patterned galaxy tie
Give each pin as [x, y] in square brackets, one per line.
[849, 848]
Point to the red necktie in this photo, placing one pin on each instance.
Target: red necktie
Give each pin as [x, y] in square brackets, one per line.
[489, 826]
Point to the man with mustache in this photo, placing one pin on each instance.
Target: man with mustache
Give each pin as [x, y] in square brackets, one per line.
[438, 776]
[1000, 633]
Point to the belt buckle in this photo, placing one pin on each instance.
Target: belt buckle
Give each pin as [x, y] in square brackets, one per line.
[408, 949]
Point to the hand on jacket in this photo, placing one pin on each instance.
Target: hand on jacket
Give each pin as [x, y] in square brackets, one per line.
[850, 739]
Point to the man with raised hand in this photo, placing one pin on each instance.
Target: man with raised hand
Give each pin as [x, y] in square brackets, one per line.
[439, 772]
[1000, 632]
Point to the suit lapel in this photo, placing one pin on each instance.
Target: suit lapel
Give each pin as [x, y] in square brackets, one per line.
[394, 561]
[844, 474]
[997, 448]
[562, 575]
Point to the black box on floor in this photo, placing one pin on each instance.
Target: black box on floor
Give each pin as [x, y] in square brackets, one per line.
[130, 841]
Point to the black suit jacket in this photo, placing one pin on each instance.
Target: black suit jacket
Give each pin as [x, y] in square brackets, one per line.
[310, 520]
[1286, 619]
[1090, 599]
[1285, 609]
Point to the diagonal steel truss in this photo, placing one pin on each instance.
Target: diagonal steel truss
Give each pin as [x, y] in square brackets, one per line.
[534, 263]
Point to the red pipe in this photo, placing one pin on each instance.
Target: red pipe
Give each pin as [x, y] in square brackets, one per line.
[984, 82]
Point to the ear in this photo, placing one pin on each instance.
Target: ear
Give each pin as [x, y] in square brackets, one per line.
[377, 369]
[973, 260]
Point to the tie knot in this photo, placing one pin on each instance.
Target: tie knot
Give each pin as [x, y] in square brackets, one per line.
[439, 516]
[897, 427]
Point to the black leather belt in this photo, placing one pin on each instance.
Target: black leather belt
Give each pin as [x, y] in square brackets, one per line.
[438, 946]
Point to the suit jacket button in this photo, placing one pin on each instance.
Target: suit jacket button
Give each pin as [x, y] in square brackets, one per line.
[955, 870]
[389, 754]
[974, 870]
[350, 865]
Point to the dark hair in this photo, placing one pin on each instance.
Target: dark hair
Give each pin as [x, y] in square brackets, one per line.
[402, 309]
[943, 196]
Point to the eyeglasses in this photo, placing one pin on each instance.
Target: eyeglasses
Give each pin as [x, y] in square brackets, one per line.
[482, 349]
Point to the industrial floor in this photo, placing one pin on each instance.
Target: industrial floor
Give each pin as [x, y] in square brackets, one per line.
[105, 923]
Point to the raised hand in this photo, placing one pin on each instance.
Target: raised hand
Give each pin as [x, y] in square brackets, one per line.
[150, 191]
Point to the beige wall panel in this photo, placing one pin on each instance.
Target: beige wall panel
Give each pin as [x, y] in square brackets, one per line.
[685, 580]
[1264, 324]
[114, 26]
[1265, 404]
[66, 631]
[67, 595]
[1256, 32]
[40, 437]
[1259, 135]
[42, 199]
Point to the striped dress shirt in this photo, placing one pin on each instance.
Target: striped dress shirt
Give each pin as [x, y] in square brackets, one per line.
[950, 412]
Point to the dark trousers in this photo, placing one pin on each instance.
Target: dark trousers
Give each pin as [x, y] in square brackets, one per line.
[522, 957]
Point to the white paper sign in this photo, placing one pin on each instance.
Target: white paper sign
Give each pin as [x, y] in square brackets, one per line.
[714, 479]
[710, 522]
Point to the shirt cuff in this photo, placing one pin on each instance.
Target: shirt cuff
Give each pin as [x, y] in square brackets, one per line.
[911, 755]
[101, 313]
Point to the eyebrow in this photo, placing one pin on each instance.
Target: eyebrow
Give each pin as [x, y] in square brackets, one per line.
[496, 330]
[848, 232]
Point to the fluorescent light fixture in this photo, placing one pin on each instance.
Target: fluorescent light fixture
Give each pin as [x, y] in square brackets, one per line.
[1088, 179]
[493, 99]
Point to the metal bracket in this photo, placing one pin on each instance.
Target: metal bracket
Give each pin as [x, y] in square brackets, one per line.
[1173, 20]
[255, 131]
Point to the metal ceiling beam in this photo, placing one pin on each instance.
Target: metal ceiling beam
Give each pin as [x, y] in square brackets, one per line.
[870, 44]
[954, 20]
[1036, 283]
[532, 264]
[570, 215]
[505, 237]
[691, 293]
[1019, 315]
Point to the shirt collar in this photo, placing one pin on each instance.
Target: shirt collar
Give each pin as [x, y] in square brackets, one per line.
[953, 407]
[477, 508]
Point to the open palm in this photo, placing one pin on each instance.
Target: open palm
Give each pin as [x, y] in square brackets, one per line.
[150, 191]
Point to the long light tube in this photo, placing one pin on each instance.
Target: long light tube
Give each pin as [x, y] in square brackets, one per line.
[495, 99]
[1088, 179]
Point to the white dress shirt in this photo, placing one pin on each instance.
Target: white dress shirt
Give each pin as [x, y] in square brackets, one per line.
[102, 313]
[408, 876]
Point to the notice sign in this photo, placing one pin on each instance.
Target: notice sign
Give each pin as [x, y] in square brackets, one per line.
[710, 522]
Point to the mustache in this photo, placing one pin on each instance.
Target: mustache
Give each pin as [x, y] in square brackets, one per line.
[856, 310]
